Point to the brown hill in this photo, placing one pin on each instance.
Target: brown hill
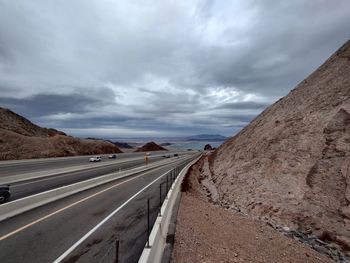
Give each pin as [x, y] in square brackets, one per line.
[21, 139]
[13, 122]
[291, 165]
[149, 147]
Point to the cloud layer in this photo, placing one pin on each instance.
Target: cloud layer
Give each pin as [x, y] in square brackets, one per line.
[159, 68]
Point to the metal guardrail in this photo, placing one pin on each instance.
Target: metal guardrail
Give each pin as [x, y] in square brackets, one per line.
[22, 205]
[159, 234]
[114, 253]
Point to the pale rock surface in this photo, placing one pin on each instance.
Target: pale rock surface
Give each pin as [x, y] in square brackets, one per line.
[291, 165]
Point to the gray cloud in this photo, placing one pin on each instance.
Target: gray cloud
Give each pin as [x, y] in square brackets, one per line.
[244, 105]
[166, 67]
[48, 104]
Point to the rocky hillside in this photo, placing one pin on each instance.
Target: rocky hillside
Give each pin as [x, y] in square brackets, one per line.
[149, 147]
[291, 165]
[21, 139]
[13, 122]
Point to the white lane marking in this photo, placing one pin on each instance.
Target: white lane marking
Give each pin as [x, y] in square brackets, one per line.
[69, 206]
[60, 171]
[74, 246]
[67, 175]
[92, 179]
[63, 208]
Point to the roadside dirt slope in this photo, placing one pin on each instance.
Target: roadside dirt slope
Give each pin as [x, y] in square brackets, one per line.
[209, 233]
[291, 165]
[21, 139]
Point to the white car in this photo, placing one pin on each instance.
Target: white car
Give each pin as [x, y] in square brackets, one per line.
[95, 159]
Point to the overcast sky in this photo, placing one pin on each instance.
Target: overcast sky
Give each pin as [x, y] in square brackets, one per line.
[113, 68]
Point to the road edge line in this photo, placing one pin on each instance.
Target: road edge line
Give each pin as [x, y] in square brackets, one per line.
[81, 240]
[153, 253]
[28, 203]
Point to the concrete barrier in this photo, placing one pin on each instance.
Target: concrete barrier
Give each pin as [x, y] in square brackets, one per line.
[22, 205]
[157, 239]
[59, 171]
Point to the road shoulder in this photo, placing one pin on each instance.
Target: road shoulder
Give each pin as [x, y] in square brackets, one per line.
[209, 233]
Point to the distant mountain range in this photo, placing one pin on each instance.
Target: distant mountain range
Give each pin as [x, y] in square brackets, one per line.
[206, 137]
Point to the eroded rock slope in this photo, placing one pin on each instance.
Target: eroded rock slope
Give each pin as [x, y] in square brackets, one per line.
[291, 165]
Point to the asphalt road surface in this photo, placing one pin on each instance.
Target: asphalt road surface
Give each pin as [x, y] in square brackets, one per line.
[8, 168]
[110, 212]
[26, 188]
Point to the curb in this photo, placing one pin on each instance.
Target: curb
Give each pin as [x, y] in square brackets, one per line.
[22, 205]
[158, 236]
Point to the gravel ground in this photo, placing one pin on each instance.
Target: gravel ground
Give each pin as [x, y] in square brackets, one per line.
[208, 233]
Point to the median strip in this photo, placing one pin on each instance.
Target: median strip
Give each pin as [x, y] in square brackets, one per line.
[22, 205]
[64, 208]
[43, 174]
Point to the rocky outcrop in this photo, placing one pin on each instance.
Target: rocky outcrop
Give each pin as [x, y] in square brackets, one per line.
[21, 139]
[290, 165]
[149, 147]
[208, 147]
[11, 121]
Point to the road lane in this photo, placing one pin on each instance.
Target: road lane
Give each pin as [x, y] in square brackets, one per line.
[23, 189]
[8, 168]
[48, 239]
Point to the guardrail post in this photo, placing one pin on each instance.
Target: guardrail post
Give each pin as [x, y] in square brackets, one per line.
[148, 232]
[116, 251]
[160, 199]
[167, 186]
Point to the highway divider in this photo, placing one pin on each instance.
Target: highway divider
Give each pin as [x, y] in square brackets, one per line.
[153, 251]
[59, 171]
[22, 205]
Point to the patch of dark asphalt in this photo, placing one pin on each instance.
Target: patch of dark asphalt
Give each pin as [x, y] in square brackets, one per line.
[75, 258]
[99, 213]
[94, 242]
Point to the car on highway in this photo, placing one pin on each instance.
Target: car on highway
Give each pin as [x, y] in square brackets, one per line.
[112, 156]
[4, 193]
[166, 156]
[148, 154]
[175, 155]
[95, 159]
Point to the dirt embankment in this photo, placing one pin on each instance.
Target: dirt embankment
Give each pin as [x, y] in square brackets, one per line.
[209, 233]
[21, 139]
[291, 165]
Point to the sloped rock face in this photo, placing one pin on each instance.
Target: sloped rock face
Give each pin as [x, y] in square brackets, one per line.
[16, 123]
[291, 165]
[21, 139]
[208, 147]
[149, 147]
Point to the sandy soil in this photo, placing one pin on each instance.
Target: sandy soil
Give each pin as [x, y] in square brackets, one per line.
[208, 233]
